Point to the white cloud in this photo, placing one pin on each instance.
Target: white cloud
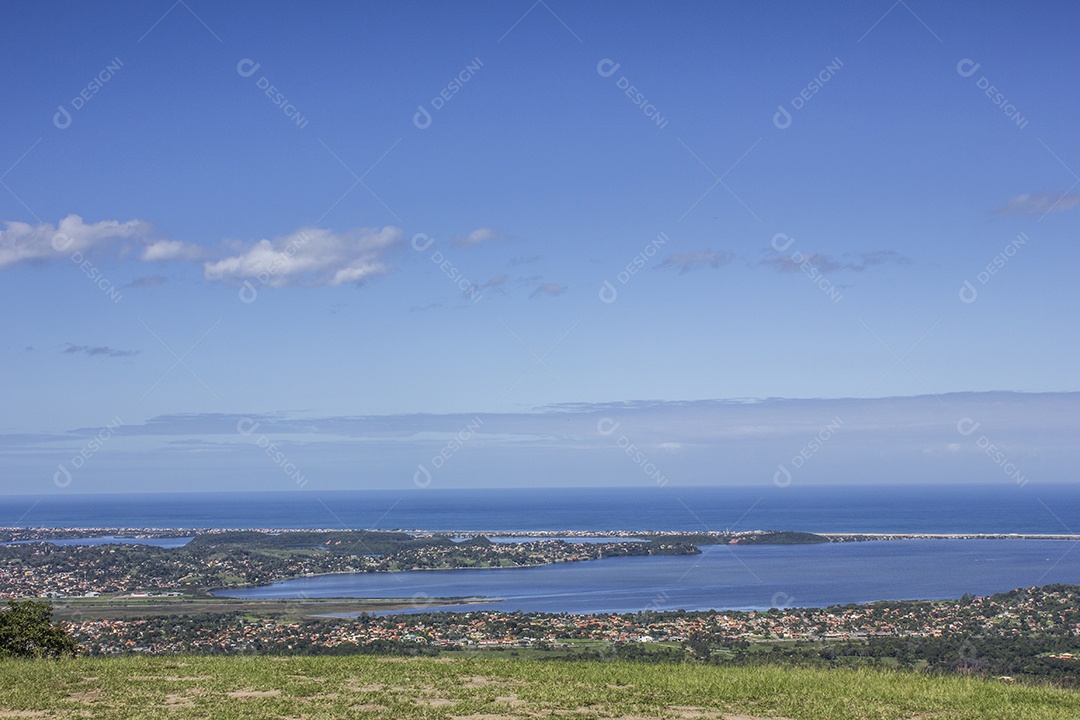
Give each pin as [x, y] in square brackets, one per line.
[950, 438]
[170, 250]
[551, 289]
[689, 260]
[826, 264]
[477, 237]
[93, 351]
[1040, 203]
[311, 256]
[22, 242]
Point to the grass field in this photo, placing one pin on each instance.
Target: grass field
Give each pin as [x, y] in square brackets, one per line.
[315, 688]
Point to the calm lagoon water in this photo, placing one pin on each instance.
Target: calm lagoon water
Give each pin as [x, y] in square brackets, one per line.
[726, 577]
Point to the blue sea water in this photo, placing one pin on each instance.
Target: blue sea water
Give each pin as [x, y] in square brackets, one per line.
[721, 577]
[1001, 508]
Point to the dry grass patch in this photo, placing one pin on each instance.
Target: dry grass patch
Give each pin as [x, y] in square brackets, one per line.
[248, 694]
[85, 697]
[177, 700]
[480, 681]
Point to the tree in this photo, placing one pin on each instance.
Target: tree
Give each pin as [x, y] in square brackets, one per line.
[27, 630]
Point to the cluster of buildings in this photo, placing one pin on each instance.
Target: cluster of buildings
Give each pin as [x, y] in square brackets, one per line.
[1053, 609]
[42, 569]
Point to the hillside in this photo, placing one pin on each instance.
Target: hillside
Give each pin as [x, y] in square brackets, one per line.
[482, 689]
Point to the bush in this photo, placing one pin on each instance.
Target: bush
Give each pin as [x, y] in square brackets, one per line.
[27, 630]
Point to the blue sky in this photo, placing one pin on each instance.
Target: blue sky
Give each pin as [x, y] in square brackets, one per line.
[380, 231]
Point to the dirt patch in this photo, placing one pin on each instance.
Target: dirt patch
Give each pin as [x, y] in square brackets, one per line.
[85, 697]
[22, 713]
[512, 700]
[480, 681]
[436, 702]
[693, 712]
[752, 717]
[176, 700]
[353, 687]
[248, 694]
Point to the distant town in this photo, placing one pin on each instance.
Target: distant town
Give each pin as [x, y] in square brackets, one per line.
[1026, 612]
[150, 591]
[39, 562]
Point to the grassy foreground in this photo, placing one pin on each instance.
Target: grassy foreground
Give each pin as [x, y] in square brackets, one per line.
[490, 689]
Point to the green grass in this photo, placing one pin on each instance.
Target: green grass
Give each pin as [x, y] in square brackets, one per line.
[231, 688]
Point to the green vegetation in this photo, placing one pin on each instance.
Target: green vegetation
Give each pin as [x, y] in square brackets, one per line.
[27, 631]
[395, 688]
[1031, 634]
[346, 542]
[787, 537]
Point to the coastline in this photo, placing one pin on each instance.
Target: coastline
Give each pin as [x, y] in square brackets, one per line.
[146, 533]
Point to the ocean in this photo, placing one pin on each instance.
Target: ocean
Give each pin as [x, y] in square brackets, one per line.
[1004, 508]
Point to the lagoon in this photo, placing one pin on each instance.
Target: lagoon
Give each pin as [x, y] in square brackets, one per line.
[723, 577]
